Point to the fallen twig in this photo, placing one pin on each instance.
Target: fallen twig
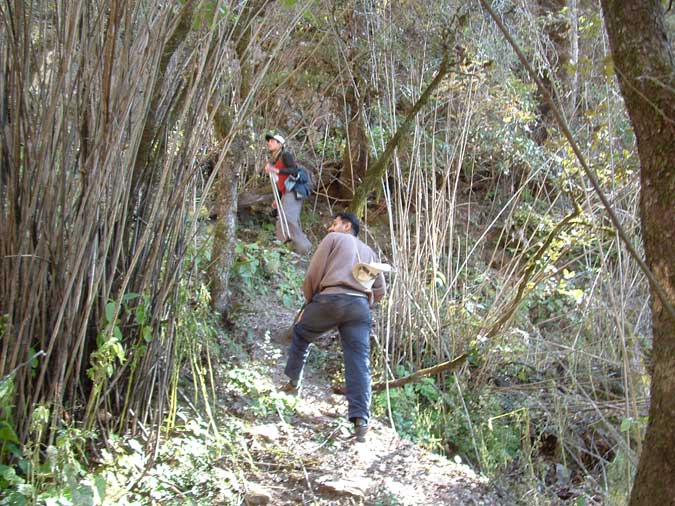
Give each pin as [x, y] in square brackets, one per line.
[450, 365]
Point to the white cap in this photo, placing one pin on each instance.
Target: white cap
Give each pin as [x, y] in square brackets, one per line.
[276, 137]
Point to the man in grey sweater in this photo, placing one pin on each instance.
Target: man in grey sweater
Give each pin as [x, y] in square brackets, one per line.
[335, 298]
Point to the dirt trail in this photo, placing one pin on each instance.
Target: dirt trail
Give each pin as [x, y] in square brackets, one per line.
[312, 457]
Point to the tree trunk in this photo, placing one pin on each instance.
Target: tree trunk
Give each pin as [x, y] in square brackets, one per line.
[355, 156]
[646, 71]
[224, 238]
[226, 190]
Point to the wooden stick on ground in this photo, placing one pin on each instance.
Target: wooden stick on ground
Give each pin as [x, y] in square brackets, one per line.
[450, 365]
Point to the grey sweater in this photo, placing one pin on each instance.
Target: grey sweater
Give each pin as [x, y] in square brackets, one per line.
[330, 270]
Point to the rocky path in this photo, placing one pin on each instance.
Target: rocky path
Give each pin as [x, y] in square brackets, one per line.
[311, 457]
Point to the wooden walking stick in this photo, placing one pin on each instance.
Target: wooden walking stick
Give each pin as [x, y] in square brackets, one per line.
[280, 209]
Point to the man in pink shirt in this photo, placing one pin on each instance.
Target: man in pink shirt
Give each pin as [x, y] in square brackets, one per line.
[335, 298]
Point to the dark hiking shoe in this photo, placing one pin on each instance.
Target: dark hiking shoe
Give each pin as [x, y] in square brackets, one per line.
[290, 388]
[360, 429]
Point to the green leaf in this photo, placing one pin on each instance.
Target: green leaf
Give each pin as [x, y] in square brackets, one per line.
[6, 390]
[8, 474]
[100, 484]
[33, 360]
[118, 349]
[40, 416]
[16, 451]
[130, 296]
[83, 495]
[141, 314]
[110, 309]
[7, 433]
[147, 334]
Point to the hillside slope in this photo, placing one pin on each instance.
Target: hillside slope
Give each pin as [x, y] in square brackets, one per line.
[310, 457]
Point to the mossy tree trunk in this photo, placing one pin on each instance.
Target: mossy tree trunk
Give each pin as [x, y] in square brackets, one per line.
[645, 68]
[224, 233]
[227, 183]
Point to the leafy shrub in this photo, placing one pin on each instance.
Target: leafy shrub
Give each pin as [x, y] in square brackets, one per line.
[261, 398]
[437, 420]
[256, 268]
[52, 475]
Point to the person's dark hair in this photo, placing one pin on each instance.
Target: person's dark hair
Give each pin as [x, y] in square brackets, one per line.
[351, 218]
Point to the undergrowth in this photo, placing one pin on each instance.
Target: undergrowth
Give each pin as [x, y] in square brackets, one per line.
[505, 435]
[192, 464]
[198, 457]
[469, 426]
[257, 270]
